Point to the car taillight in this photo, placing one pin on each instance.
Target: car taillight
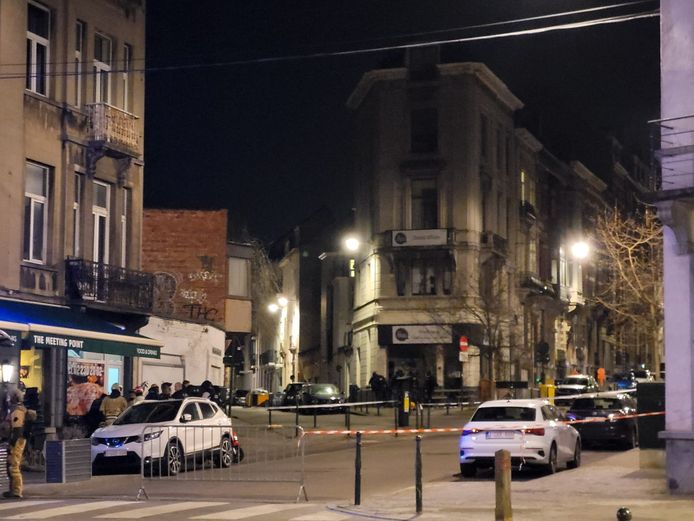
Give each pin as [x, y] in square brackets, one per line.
[467, 432]
[536, 431]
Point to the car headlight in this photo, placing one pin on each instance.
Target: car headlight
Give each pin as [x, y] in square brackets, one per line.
[152, 435]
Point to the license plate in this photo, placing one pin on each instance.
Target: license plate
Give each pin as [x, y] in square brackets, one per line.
[112, 453]
[500, 435]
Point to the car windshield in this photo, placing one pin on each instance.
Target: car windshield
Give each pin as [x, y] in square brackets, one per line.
[241, 392]
[149, 412]
[644, 373]
[510, 414]
[597, 403]
[323, 389]
[293, 388]
[574, 381]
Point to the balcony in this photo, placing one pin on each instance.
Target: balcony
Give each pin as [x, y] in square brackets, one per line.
[109, 287]
[113, 128]
[38, 279]
[528, 213]
[496, 243]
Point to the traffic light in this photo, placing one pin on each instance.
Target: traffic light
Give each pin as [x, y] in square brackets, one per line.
[542, 353]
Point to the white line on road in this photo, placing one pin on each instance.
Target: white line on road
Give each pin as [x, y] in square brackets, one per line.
[259, 510]
[71, 509]
[160, 509]
[24, 504]
[323, 516]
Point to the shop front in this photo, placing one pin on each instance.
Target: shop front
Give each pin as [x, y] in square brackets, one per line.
[68, 359]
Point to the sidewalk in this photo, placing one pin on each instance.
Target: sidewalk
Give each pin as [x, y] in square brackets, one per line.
[587, 493]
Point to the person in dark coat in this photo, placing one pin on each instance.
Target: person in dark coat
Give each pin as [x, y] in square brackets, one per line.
[153, 393]
[429, 386]
[94, 416]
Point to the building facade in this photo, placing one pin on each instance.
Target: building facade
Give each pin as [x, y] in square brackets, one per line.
[71, 168]
[186, 251]
[468, 224]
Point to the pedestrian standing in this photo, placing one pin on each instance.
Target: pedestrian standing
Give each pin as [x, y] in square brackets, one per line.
[21, 419]
[113, 405]
[153, 393]
[165, 391]
[94, 416]
[429, 386]
[179, 391]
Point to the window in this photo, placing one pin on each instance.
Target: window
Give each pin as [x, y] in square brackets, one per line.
[238, 277]
[125, 75]
[424, 204]
[563, 271]
[207, 410]
[527, 187]
[38, 34]
[532, 254]
[76, 203]
[191, 409]
[100, 213]
[102, 69]
[79, 48]
[423, 278]
[124, 229]
[424, 130]
[35, 212]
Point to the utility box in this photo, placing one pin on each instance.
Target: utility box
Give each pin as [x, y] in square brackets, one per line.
[650, 397]
[68, 460]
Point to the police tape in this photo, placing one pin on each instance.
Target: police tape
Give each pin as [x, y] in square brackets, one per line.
[353, 432]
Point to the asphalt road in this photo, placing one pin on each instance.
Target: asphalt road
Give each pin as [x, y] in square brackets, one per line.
[387, 467]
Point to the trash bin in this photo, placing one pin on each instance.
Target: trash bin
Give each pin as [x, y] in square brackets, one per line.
[259, 397]
[404, 412]
[68, 460]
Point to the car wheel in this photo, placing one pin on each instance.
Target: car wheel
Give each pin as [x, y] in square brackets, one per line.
[576, 461]
[551, 467]
[226, 453]
[174, 458]
[468, 470]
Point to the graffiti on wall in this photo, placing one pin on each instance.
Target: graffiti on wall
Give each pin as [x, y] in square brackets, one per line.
[189, 290]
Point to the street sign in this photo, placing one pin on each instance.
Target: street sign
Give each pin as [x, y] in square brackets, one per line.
[463, 344]
[463, 356]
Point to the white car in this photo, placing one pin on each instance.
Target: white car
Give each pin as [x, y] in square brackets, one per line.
[576, 384]
[533, 431]
[167, 434]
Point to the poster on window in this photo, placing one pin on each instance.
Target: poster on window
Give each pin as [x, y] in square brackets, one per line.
[85, 383]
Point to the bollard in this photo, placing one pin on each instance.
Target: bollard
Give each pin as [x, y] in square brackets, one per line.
[418, 473]
[623, 514]
[502, 475]
[348, 419]
[395, 415]
[447, 406]
[357, 471]
[315, 418]
[269, 416]
[429, 417]
[297, 414]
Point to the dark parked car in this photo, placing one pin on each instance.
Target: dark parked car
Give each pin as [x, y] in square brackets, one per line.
[239, 397]
[319, 394]
[619, 427]
[291, 392]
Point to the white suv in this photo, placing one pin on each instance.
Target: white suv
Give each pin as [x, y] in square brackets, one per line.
[533, 431]
[167, 434]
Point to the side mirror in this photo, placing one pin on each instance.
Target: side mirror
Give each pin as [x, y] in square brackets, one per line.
[185, 418]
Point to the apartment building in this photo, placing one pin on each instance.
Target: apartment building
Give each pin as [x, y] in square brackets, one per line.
[467, 224]
[71, 170]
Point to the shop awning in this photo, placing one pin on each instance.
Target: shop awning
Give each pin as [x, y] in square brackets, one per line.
[40, 325]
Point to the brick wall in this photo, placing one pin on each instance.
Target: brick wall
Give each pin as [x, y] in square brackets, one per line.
[186, 250]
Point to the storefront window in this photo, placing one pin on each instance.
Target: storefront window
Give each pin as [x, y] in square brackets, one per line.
[89, 375]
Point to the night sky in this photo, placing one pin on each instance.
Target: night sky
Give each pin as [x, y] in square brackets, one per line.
[272, 142]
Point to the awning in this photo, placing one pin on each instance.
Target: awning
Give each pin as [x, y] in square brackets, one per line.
[41, 325]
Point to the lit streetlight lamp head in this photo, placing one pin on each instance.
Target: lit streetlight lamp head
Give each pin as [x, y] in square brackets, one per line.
[272, 308]
[282, 301]
[580, 250]
[351, 244]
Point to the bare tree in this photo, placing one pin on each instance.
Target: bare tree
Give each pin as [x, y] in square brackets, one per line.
[266, 285]
[631, 249]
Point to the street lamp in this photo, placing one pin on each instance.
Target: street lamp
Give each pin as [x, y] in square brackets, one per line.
[580, 250]
[273, 308]
[7, 370]
[282, 301]
[351, 243]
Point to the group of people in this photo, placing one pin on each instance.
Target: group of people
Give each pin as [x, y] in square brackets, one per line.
[399, 383]
[105, 409]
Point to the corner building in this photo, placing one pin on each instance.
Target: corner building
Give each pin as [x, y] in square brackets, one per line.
[447, 206]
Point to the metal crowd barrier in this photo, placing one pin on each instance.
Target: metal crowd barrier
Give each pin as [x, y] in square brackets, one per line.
[222, 453]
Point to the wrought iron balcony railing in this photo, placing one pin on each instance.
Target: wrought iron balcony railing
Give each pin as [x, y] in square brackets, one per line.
[111, 125]
[109, 286]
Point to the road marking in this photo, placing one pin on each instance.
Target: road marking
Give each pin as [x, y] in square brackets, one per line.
[8, 505]
[323, 516]
[71, 509]
[259, 510]
[160, 509]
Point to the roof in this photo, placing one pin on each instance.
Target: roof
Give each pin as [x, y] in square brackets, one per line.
[516, 403]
